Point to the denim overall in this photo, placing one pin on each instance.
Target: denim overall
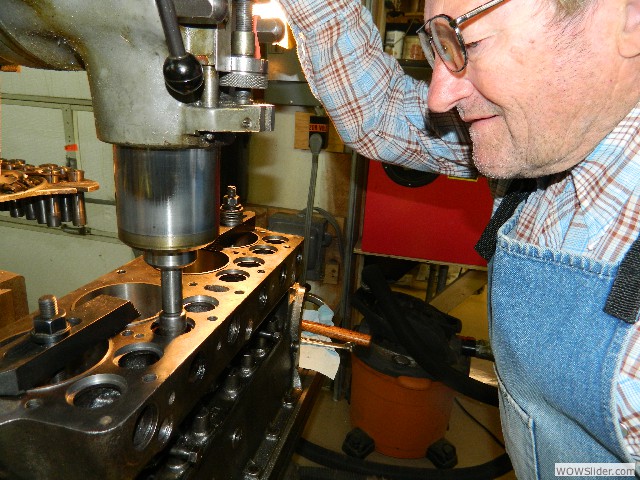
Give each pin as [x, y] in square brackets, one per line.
[557, 355]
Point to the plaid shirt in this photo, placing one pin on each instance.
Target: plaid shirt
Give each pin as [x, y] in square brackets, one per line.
[593, 209]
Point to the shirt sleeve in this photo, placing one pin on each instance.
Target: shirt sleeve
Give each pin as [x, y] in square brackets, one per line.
[377, 109]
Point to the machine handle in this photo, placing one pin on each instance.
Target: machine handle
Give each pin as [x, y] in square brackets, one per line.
[337, 333]
[182, 71]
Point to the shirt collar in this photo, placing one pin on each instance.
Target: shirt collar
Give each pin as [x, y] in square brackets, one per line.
[605, 180]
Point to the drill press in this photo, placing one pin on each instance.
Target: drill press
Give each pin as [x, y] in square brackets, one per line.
[168, 79]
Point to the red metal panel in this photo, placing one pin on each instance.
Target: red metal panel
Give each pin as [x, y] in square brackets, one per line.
[439, 222]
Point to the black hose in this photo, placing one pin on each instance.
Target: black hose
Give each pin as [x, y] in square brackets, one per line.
[320, 473]
[439, 370]
[492, 469]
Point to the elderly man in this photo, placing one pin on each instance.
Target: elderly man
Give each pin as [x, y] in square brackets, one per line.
[546, 90]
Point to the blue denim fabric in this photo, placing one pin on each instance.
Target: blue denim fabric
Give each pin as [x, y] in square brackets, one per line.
[557, 357]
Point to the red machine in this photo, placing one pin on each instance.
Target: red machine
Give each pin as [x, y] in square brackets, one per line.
[439, 222]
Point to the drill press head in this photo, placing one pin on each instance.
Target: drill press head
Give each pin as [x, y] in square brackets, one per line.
[166, 138]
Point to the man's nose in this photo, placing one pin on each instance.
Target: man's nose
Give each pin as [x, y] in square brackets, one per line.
[446, 88]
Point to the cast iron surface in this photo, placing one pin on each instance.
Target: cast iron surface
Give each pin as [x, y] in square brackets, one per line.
[111, 419]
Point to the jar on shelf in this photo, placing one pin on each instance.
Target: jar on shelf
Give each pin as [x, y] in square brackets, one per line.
[394, 39]
[411, 47]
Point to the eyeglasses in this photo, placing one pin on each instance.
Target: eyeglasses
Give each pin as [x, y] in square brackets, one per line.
[441, 34]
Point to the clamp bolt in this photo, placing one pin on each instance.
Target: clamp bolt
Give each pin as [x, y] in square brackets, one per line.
[51, 324]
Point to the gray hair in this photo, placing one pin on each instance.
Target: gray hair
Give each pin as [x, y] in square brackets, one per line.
[572, 8]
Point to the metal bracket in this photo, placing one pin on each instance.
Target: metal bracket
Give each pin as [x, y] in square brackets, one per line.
[296, 302]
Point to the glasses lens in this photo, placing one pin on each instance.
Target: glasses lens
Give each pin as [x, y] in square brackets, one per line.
[447, 43]
[427, 47]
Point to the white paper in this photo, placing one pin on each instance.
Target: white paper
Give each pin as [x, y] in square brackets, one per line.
[319, 359]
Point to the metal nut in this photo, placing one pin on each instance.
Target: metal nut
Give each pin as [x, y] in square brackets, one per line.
[49, 326]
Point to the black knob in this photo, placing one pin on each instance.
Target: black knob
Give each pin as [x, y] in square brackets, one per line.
[183, 74]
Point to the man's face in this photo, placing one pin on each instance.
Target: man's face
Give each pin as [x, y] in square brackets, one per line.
[538, 95]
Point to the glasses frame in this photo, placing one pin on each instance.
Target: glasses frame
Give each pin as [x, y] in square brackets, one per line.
[426, 37]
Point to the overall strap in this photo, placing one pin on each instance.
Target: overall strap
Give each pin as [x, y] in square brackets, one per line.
[518, 192]
[624, 299]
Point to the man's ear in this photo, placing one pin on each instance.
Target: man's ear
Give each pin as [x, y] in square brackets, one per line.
[629, 41]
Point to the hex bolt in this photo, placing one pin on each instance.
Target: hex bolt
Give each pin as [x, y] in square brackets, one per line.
[232, 199]
[231, 210]
[51, 324]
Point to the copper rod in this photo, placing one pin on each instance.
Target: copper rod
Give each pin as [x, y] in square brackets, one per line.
[337, 333]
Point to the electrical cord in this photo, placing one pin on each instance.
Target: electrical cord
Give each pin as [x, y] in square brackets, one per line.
[339, 239]
[479, 423]
[333, 460]
[334, 223]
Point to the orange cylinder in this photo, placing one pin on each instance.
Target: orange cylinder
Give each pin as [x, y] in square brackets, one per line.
[404, 415]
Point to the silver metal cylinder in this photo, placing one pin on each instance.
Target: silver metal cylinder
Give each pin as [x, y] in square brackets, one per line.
[211, 87]
[66, 208]
[172, 319]
[243, 43]
[167, 200]
[41, 210]
[79, 212]
[54, 216]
